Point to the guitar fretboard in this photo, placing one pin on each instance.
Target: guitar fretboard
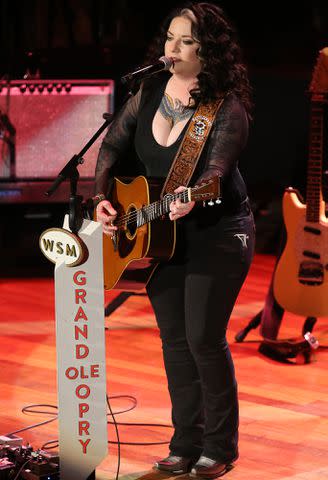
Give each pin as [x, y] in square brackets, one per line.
[150, 212]
[206, 191]
[157, 209]
[314, 174]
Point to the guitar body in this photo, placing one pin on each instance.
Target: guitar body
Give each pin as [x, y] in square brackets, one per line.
[129, 264]
[300, 282]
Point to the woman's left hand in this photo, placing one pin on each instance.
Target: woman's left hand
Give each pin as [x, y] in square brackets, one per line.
[179, 209]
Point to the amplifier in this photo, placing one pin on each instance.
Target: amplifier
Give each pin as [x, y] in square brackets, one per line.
[53, 120]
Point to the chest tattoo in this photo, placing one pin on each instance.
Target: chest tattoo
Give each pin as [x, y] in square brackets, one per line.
[173, 110]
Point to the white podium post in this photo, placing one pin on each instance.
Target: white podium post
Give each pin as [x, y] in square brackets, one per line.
[80, 344]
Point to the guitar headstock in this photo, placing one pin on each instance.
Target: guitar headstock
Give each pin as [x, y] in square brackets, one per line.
[207, 190]
[319, 82]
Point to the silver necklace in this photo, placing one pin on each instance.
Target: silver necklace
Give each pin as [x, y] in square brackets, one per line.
[173, 110]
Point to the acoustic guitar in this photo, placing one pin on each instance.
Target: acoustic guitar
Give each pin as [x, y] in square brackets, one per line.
[300, 282]
[145, 235]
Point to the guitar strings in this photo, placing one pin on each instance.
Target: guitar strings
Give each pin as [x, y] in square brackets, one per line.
[131, 217]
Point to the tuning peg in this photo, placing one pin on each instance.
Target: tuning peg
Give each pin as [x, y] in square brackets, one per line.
[210, 203]
[218, 201]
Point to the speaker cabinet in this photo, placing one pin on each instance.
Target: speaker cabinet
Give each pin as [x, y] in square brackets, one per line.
[53, 119]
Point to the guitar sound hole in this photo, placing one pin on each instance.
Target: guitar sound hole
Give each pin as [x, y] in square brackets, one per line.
[311, 273]
[131, 225]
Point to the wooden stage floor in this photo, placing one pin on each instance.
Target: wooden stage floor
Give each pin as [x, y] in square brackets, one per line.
[283, 407]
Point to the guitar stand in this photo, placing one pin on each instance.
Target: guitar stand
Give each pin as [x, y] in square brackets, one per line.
[283, 350]
[119, 300]
[256, 321]
[309, 324]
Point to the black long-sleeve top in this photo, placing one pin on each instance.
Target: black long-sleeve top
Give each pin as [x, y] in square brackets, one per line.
[132, 125]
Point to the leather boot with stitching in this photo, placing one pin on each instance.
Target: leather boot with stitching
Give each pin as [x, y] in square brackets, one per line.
[207, 468]
[174, 464]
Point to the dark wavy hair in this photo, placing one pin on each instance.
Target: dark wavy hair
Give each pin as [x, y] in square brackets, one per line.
[222, 67]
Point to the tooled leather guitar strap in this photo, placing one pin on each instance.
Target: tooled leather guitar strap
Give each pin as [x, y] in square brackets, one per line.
[185, 161]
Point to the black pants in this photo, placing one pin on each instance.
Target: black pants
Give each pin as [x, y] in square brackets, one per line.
[193, 296]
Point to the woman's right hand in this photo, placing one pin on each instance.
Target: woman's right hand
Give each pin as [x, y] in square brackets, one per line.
[106, 215]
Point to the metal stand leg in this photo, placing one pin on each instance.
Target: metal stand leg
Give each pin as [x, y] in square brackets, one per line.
[254, 323]
[309, 324]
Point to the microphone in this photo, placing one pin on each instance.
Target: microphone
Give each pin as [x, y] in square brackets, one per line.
[163, 63]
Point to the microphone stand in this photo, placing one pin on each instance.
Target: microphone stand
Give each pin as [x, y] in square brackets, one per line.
[71, 172]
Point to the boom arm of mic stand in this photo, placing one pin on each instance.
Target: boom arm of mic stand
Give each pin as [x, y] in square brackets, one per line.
[67, 172]
[70, 171]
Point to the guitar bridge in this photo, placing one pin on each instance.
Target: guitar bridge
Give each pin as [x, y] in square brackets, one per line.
[311, 273]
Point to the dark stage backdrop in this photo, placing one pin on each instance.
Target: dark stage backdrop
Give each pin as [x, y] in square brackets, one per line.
[108, 37]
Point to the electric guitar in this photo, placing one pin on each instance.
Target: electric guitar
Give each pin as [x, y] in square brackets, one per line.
[300, 282]
[145, 234]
